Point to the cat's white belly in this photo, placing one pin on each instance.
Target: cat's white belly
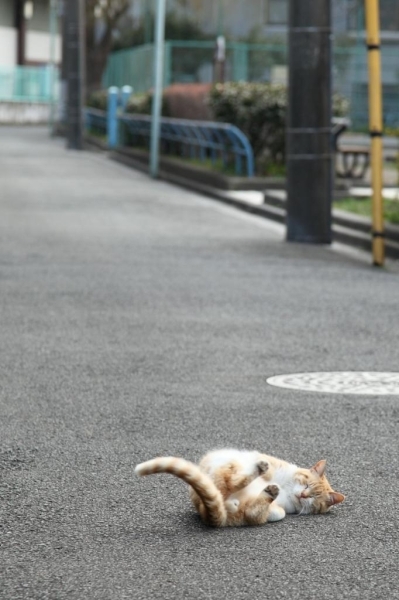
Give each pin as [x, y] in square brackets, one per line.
[256, 487]
[286, 502]
[219, 458]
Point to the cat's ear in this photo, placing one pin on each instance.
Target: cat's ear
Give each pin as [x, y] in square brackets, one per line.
[319, 468]
[336, 498]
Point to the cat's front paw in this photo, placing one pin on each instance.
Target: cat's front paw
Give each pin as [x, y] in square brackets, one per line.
[273, 490]
[262, 467]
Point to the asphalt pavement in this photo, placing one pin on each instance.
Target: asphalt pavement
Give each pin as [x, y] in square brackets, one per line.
[139, 319]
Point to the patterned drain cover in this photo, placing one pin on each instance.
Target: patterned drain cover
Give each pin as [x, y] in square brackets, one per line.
[341, 382]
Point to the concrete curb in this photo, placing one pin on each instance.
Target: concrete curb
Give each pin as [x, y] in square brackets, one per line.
[347, 228]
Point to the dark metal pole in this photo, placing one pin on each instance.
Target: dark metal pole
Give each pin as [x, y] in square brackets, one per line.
[309, 138]
[74, 46]
[20, 23]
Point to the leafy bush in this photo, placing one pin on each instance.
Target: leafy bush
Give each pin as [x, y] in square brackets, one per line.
[98, 100]
[340, 105]
[260, 111]
[137, 103]
[141, 104]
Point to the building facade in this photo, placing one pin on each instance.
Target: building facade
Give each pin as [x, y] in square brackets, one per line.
[25, 33]
[238, 18]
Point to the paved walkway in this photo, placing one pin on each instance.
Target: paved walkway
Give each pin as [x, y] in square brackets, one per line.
[138, 319]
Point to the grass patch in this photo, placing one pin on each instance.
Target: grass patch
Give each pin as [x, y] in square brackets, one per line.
[98, 133]
[362, 206]
[272, 170]
[217, 165]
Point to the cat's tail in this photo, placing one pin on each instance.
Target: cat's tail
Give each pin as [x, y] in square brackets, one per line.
[211, 497]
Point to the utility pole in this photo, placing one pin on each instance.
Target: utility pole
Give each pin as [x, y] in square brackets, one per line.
[75, 75]
[309, 137]
[53, 30]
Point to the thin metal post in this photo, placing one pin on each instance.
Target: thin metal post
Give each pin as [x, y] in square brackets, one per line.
[309, 131]
[375, 125]
[126, 92]
[112, 121]
[158, 86]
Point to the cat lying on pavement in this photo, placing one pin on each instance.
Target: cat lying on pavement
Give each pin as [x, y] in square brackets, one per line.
[238, 487]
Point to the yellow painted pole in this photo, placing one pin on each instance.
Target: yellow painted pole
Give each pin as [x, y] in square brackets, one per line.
[375, 126]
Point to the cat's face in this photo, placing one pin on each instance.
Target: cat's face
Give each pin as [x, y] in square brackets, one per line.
[316, 495]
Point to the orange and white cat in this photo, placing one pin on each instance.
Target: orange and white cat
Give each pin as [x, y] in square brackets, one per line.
[239, 487]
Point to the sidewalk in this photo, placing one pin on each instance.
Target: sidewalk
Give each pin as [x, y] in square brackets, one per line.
[139, 319]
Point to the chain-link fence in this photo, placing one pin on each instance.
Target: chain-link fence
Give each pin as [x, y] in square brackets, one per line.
[192, 61]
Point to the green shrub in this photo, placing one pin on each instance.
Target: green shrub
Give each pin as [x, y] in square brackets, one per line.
[340, 105]
[141, 104]
[98, 100]
[137, 103]
[260, 111]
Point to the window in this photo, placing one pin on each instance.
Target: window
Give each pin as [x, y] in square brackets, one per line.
[276, 12]
[389, 15]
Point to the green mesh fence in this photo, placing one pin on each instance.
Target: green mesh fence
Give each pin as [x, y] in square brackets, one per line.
[131, 67]
[193, 62]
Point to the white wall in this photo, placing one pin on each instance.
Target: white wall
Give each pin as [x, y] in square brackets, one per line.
[38, 47]
[8, 46]
[23, 112]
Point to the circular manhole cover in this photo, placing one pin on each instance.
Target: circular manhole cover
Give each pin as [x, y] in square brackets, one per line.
[340, 382]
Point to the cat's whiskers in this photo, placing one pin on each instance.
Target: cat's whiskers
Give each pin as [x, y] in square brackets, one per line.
[306, 507]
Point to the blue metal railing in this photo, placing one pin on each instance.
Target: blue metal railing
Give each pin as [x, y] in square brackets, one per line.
[202, 140]
[96, 121]
[196, 139]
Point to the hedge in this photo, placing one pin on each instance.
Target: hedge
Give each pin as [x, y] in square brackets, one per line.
[258, 109]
